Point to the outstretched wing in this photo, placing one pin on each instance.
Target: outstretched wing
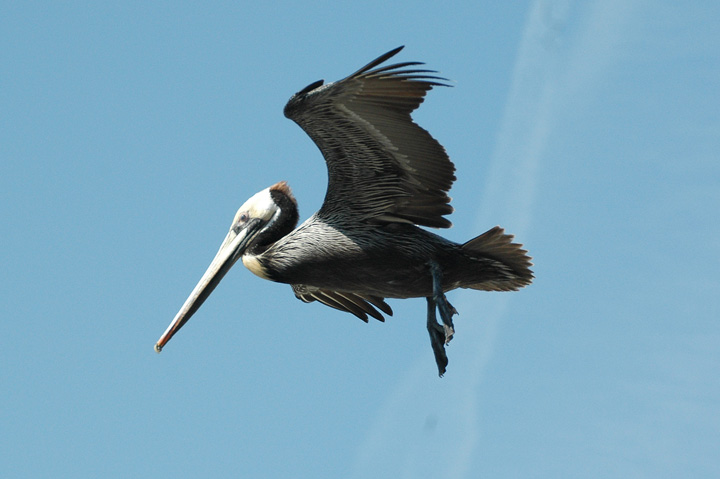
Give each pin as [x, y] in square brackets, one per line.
[382, 167]
[360, 306]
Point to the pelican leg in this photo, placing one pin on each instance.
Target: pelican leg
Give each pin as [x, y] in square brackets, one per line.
[446, 309]
[440, 335]
[437, 337]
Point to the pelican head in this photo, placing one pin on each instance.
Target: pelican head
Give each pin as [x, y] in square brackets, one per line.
[260, 221]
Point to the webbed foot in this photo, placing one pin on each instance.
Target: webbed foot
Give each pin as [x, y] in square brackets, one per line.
[446, 313]
[438, 338]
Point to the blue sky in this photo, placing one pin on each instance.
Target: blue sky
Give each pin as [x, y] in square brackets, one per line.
[131, 133]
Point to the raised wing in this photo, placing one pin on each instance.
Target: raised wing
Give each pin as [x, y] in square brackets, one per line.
[382, 167]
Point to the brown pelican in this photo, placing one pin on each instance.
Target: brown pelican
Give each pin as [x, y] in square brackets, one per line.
[386, 177]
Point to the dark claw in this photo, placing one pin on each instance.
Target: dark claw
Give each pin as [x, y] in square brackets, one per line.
[453, 311]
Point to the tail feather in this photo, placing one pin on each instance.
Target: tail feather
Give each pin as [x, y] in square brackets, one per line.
[514, 268]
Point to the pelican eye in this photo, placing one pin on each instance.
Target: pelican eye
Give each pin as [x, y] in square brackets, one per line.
[240, 221]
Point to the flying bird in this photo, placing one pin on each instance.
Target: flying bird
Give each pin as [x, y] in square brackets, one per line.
[387, 177]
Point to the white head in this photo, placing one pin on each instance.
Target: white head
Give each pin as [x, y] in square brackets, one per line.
[260, 206]
[261, 220]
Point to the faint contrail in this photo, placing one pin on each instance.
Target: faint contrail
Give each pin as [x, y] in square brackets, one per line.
[555, 71]
[511, 187]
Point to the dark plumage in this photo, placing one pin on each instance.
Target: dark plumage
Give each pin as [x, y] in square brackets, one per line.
[386, 176]
[381, 165]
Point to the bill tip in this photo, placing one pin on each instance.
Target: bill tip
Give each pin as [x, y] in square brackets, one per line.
[158, 348]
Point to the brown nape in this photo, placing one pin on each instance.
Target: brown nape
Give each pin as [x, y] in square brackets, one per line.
[284, 188]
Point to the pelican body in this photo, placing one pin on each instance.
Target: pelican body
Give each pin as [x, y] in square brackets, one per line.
[386, 177]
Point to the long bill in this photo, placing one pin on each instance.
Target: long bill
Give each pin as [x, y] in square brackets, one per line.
[230, 251]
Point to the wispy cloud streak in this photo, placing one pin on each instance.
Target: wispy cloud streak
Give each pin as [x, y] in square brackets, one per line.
[551, 64]
[555, 71]
[511, 186]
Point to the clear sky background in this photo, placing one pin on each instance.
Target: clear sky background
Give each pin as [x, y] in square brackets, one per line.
[131, 133]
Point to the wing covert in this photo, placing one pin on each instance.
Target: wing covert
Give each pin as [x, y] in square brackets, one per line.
[360, 306]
